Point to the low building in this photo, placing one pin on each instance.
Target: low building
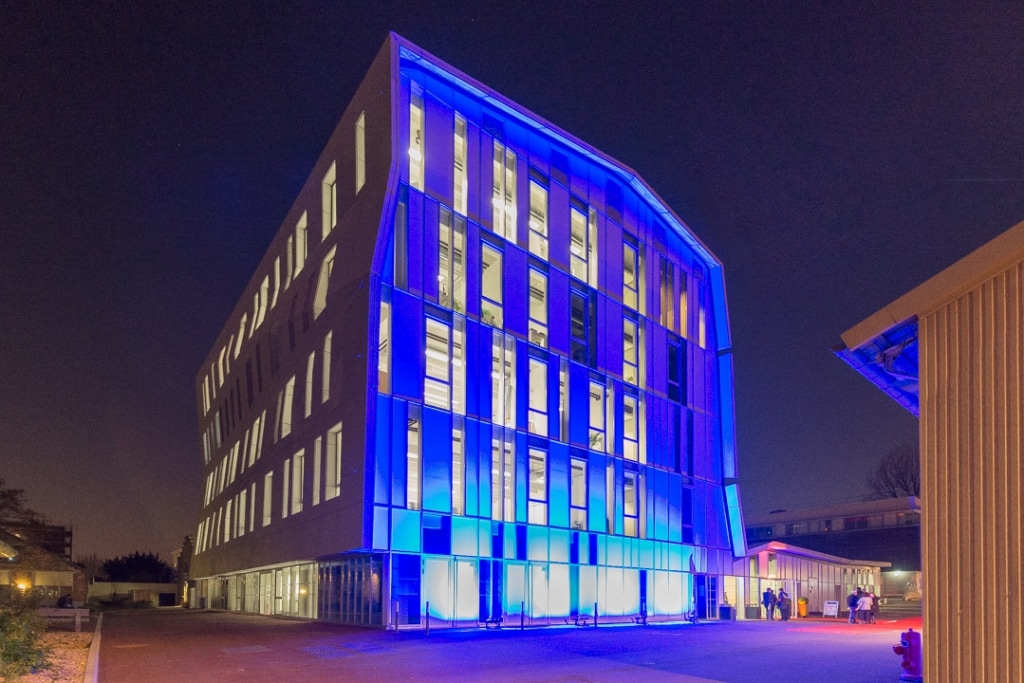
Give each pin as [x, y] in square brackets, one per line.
[817, 578]
[28, 568]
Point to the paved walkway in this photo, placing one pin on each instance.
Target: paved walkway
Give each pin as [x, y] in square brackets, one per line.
[175, 645]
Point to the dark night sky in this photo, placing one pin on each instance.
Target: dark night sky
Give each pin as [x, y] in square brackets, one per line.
[833, 156]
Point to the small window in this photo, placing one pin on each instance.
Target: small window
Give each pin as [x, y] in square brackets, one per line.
[460, 184]
[416, 139]
[360, 151]
[330, 201]
[538, 219]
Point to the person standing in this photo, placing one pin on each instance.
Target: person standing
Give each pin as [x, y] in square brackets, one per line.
[768, 600]
[785, 604]
[851, 603]
[864, 603]
[874, 607]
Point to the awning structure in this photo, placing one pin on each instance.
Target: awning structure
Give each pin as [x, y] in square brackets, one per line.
[889, 361]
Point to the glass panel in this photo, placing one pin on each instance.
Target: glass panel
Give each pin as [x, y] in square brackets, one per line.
[538, 487]
[538, 220]
[416, 146]
[438, 364]
[538, 308]
[538, 419]
[491, 286]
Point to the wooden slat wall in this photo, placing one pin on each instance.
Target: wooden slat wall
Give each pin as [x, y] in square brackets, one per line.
[972, 409]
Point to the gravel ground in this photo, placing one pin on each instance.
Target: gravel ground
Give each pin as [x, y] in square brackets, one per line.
[69, 653]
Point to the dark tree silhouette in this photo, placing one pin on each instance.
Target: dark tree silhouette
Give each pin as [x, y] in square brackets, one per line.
[898, 474]
[139, 567]
[14, 509]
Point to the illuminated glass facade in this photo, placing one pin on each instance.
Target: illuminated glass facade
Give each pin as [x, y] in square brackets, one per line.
[493, 384]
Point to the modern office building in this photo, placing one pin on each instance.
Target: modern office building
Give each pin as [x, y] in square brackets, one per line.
[482, 373]
[950, 351]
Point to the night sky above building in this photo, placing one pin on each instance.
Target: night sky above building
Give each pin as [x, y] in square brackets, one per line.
[833, 156]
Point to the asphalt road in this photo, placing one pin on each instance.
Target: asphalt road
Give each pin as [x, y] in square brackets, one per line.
[175, 645]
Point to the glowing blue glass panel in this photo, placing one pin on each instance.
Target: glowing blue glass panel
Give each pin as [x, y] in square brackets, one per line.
[538, 607]
[405, 530]
[537, 543]
[559, 540]
[588, 590]
[407, 339]
[465, 536]
[380, 528]
[736, 529]
[437, 460]
[435, 591]
[558, 484]
[614, 548]
[382, 451]
[515, 587]
[467, 591]
[558, 590]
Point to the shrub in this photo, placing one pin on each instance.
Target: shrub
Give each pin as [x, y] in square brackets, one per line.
[21, 637]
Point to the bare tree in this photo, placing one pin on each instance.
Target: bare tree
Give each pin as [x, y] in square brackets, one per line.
[898, 474]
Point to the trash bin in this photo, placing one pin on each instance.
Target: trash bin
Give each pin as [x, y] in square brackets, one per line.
[801, 607]
[726, 612]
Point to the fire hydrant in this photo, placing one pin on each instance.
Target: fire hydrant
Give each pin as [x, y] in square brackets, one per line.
[910, 649]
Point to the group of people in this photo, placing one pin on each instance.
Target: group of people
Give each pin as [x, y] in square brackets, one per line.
[780, 602]
[862, 605]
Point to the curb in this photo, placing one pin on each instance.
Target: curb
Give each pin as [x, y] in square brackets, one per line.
[92, 664]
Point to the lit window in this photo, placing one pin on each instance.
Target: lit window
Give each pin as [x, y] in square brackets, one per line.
[289, 255]
[563, 398]
[413, 461]
[277, 281]
[400, 242]
[503, 391]
[538, 404]
[538, 219]
[491, 299]
[538, 308]
[631, 273]
[460, 189]
[537, 509]
[301, 250]
[451, 262]
[284, 425]
[329, 201]
[416, 136]
[384, 346]
[298, 480]
[702, 334]
[667, 301]
[252, 506]
[583, 243]
[631, 360]
[317, 469]
[286, 472]
[325, 381]
[630, 504]
[503, 482]
[332, 454]
[597, 415]
[504, 196]
[459, 366]
[458, 468]
[578, 494]
[360, 151]
[322, 284]
[684, 307]
[308, 400]
[437, 376]
[631, 427]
